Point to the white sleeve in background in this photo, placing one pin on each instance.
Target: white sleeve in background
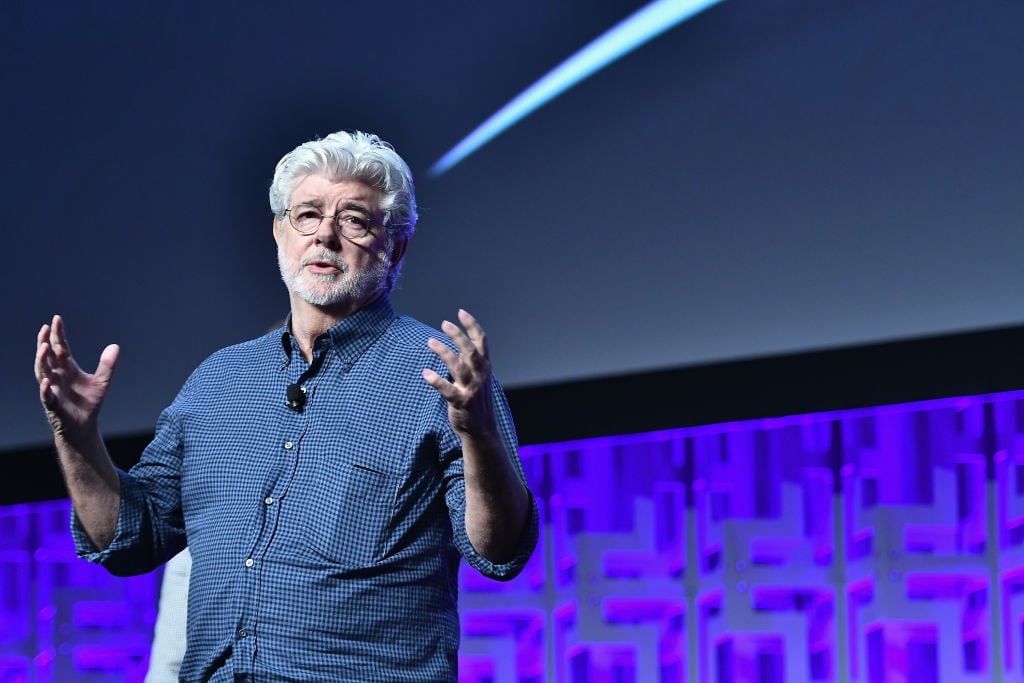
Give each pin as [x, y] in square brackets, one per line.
[169, 632]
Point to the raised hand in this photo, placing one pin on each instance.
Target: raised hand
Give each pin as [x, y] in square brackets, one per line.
[70, 396]
[470, 406]
[497, 501]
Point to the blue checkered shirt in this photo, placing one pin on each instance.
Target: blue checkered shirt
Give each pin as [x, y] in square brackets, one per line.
[326, 542]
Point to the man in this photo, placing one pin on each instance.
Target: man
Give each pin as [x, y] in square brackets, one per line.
[326, 477]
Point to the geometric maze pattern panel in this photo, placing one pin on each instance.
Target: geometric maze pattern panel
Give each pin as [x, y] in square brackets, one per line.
[874, 545]
[63, 619]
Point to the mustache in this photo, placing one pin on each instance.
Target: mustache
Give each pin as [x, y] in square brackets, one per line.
[325, 255]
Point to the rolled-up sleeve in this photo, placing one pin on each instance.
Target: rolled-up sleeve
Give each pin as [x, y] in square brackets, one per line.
[505, 571]
[455, 498]
[149, 522]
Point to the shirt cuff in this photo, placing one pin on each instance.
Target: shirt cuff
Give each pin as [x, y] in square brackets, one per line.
[506, 571]
[126, 533]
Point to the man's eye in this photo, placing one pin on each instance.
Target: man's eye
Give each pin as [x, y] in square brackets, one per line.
[352, 219]
[307, 214]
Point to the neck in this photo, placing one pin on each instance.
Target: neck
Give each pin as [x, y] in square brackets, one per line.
[310, 321]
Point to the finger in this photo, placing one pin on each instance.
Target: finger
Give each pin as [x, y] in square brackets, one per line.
[49, 394]
[56, 366]
[472, 371]
[108, 361]
[447, 356]
[42, 364]
[465, 368]
[458, 337]
[58, 338]
[46, 362]
[474, 331]
[443, 386]
[45, 395]
[472, 360]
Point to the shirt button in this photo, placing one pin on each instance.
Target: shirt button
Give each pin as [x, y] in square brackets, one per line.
[242, 633]
[249, 562]
[268, 500]
[288, 445]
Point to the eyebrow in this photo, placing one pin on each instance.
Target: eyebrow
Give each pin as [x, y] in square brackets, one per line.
[347, 206]
[353, 206]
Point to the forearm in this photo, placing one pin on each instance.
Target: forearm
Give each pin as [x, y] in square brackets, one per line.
[93, 485]
[497, 501]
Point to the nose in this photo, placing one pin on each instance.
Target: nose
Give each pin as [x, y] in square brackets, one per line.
[326, 234]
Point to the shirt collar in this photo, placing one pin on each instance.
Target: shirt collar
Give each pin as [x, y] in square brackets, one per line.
[351, 336]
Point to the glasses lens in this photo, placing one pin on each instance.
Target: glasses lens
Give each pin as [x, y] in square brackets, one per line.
[306, 219]
[353, 224]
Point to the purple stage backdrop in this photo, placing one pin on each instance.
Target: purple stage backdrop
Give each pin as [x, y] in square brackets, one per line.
[879, 544]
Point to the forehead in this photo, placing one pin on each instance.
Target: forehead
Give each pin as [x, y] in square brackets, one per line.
[319, 189]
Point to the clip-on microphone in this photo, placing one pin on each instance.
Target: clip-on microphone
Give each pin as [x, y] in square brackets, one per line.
[295, 394]
[295, 397]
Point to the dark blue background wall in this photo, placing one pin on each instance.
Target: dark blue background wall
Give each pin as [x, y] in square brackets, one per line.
[765, 178]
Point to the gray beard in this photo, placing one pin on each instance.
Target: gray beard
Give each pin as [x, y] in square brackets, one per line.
[337, 288]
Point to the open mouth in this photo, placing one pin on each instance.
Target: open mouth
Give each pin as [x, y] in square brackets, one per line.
[323, 267]
[321, 264]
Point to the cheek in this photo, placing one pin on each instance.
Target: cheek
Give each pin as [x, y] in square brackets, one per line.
[369, 257]
[359, 263]
[289, 259]
[290, 249]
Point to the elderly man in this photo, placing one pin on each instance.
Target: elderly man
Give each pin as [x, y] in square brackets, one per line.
[327, 477]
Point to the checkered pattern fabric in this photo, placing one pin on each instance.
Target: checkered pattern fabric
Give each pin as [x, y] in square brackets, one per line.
[325, 542]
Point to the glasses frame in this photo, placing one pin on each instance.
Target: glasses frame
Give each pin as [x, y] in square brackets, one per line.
[366, 229]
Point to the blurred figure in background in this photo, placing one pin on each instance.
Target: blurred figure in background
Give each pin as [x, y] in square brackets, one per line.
[169, 631]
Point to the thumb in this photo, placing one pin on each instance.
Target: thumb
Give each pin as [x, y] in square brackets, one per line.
[108, 361]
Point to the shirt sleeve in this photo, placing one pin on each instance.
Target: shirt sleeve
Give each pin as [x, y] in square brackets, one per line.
[149, 523]
[455, 497]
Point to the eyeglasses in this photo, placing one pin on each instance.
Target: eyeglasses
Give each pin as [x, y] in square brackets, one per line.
[306, 219]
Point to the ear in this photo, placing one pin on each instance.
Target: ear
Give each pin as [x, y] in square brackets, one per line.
[277, 229]
[398, 251]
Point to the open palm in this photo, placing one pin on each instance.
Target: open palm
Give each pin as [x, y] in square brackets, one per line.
[70, 396]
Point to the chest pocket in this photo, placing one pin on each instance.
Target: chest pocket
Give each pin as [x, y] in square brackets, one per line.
[355, 505]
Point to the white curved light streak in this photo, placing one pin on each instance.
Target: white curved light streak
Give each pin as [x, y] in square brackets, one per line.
[633, 31]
